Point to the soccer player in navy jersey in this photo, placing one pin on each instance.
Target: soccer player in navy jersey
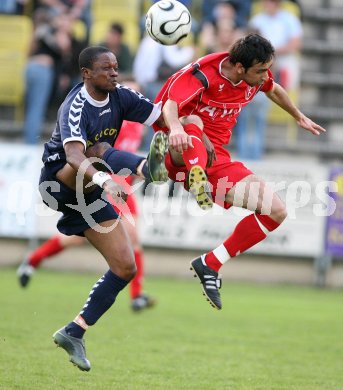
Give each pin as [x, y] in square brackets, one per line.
[129, 139]
[200, 105]
[74, 178]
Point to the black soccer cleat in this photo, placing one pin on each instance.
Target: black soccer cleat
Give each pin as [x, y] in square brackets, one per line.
[143, 301]
[210, 281]
[155, 161]
[74, 347]
[199, 186]
[24, 273]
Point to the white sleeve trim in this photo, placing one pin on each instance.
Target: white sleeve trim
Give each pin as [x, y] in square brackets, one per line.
[73, 139]
[155, 114]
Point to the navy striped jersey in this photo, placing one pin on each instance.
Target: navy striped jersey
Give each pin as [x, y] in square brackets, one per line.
[81, 118]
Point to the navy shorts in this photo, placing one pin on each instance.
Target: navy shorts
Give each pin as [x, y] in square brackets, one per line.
[58, 196]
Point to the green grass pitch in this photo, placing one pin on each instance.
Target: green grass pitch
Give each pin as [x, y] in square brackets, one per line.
[266, 337]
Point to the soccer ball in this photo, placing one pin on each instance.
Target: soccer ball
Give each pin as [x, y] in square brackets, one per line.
[168, 21]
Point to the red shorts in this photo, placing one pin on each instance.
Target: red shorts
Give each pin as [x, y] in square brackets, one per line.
[222, 175]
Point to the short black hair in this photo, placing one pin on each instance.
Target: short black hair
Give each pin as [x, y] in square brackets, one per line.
[250, 50]
[117, 27]
[90, 54]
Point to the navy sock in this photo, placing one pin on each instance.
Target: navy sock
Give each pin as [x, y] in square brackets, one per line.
[102, 297]
[118, 159]
[75, 330]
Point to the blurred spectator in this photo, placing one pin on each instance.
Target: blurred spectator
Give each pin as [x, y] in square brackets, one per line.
[187, 3]
[224, 34]
[114, 41]
[52, 42]
[212, 10]
[154, 63]
[68, 73]
[13, 7]
[76, 9]
[243, 12]
[284, 31]
[250, 128]
[220, 20]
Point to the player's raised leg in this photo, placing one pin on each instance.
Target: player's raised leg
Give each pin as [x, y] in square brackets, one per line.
[195, 158]
[152, 167]
[269, 212]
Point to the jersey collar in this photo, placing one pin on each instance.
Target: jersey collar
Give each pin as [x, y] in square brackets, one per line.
[222, 74]
[92, 101]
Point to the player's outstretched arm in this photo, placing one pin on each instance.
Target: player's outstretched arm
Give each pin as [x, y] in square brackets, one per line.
[279, 96]
[178, 138]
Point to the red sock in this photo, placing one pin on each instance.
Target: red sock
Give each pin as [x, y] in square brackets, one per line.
[212, 261]
[198, 154]
[136, 285]
[47, 249]
[248, 232]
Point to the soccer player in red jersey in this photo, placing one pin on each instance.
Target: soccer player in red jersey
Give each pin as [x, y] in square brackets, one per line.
[200, 105]
[129, 139]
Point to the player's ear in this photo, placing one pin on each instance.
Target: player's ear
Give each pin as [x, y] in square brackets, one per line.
[239, 68]
[85, 72]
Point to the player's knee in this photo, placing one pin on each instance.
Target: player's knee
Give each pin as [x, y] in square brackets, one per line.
[97, 150]
[192, 119]
[129, 271]
[125, 270]
[123, 264]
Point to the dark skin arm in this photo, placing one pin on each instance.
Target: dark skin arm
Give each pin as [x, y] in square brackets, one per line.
[77, 162]
[160, 122]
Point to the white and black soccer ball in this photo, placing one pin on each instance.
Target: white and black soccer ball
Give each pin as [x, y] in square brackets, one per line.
[168, 22]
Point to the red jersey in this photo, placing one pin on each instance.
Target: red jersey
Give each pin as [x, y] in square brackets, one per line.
[130, 137]
[201, 89]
